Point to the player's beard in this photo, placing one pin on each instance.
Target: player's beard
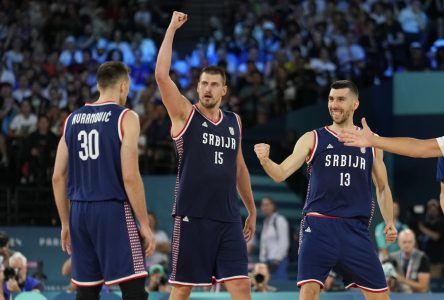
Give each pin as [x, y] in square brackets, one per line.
[342, 118]
[209, 104]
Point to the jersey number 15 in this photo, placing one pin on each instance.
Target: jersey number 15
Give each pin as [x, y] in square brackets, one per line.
[89, 143]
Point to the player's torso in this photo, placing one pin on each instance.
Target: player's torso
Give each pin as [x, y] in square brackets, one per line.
[93, 135]
[207, 164]
[340, 177]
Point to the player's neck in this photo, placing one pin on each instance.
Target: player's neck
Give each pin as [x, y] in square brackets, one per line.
[108, 98]
[338, 127]
[212, 114]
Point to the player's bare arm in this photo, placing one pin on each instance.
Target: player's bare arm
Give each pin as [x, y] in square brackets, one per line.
[399, 145]
[178, 107]
[132, 179]
[384, 196]
[246, 194]
[59, 185]
[280, 172]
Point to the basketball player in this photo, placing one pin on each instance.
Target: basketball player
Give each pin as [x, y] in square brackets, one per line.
[97, 169]
[208, 242]
[339, 205]
[399, 145]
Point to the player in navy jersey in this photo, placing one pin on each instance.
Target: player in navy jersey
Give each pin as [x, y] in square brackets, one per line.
[339, 205]
[398, 145]
[97, 169]
[209, 243]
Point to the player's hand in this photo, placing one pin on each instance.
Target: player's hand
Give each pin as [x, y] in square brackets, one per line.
[66, 240]
[148, 240]
[262, 152]
[357, 138]
[390, 233]
[178, 19]
[249, 227]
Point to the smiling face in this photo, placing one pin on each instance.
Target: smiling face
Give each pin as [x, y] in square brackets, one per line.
[211, 89]
[341, 104]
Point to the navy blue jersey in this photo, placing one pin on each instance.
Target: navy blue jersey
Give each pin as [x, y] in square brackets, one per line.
[93, 134]
[206, 178]
[440, 169]
[340, 178]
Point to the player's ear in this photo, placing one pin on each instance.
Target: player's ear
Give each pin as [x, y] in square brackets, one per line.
[224, 90]
[356, 104]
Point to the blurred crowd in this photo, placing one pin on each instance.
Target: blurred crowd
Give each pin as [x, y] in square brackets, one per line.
[279, 55]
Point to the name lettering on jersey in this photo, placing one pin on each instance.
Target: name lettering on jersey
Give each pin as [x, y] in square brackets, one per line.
[336, 160]
[91, 118]
[219, 141]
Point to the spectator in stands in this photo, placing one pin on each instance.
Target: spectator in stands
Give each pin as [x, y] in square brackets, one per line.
[413, 21]
[411, 266]
[17, 279]
[274, 241]
[260, 276]
[163, 245]
[40, 148]
[385, 249]
[431, 237]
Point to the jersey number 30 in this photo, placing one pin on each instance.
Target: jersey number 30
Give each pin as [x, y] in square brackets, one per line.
[89, 143]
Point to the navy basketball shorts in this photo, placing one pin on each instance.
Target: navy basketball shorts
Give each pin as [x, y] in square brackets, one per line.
[106, 244]
[205, 251]
[342, 245]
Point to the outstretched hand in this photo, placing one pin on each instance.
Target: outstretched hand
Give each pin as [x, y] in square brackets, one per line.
[178, 19]
[357, 138]
[390, 233]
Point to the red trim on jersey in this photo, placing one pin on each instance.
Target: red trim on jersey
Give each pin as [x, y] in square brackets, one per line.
[189, 284]
[87, 284]
[315, 144]
[331, 131]
[320, 216]
[354, 285]
[301, 283]
[127, 279]
[121, 121]
[184, 127]
[100, 103]
[208, 119]
[64, 124]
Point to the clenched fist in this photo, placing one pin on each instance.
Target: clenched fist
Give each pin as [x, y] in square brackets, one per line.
[178, 19]
[262, 152]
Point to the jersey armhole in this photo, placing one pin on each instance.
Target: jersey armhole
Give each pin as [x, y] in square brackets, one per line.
[64, 126]
[315, 145]
[240, 125]
[184, 129]
[440, 141]
[120, 123]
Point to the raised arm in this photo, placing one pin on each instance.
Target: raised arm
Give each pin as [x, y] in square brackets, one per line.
[291, 164]
[399, 145]
[132, 179]
[384, 196]
[178, 107]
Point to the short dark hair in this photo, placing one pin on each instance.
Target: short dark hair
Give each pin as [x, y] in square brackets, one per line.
[214, 70]
[344, 84]
[4, 239]
[110, 73]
